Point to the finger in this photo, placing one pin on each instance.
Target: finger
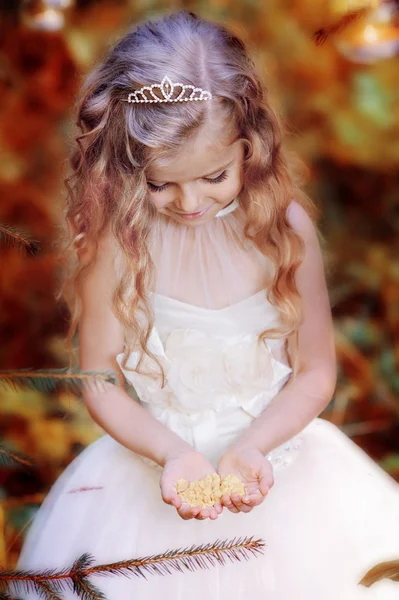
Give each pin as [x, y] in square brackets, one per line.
[264, 486]
[184, 514]
[203, 514]
[176, 502]
[187, 515]
[170, 497]
[242, 507]
[188, 512]
[210, 513]
[266, 480]
[250, 501]
[233, 509]
[253, 498]
[213, 514]
[226, 500]
[236, 500]
[257, 500]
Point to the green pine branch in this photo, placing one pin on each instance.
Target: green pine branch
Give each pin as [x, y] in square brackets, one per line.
[48, 380]
[50, 583]
[11, 459]
[11, 236]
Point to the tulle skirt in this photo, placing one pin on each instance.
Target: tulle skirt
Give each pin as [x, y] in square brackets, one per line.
[331, 515]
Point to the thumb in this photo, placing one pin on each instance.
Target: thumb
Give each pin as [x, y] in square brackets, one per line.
[266, 479]
[169, 494]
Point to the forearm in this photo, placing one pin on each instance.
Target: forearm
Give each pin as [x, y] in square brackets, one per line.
[131, 425]
[295, 406]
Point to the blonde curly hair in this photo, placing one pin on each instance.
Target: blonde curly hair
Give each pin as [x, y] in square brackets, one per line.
[108, 188]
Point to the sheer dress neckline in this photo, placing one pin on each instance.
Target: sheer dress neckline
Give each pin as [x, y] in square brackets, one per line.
[191, 306]
[211, 267]
[229, 208]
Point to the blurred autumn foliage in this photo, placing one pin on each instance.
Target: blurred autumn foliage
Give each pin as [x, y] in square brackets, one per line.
[344, 121]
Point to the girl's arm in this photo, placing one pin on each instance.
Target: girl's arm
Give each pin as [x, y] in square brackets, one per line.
[101, 338]
[303, 399]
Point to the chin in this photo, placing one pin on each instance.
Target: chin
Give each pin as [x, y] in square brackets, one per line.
[193, 220]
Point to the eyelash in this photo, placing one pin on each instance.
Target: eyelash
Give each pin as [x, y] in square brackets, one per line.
[218, 179]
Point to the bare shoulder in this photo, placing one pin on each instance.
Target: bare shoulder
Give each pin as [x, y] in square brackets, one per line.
[313, 263]
[100, 278]
[300, 221]
[107, 244]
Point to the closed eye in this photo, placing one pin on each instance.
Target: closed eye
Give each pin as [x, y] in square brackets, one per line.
[159, 188]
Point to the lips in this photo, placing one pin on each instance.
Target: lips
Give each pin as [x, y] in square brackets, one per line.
[195, 215]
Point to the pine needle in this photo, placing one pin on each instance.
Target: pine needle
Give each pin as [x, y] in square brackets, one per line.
[6, 596]
[10, 235]
[49, 582]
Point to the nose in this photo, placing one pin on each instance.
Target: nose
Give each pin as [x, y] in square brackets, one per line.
[189, 201]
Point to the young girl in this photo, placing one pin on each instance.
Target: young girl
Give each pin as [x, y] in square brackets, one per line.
[199, 281]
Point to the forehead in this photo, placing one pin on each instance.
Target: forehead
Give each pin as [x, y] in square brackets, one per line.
[195, 158]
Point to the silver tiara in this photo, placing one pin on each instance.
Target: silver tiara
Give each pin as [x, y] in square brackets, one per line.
[167, 89]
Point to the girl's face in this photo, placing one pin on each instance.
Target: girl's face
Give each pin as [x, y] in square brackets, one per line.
[206, 177]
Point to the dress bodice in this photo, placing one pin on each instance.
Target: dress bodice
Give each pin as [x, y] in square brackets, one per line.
[212, 357]
[206, 337]
[218, 376]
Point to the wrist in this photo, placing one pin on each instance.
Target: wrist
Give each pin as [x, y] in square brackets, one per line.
[240, 447]
[175, 450]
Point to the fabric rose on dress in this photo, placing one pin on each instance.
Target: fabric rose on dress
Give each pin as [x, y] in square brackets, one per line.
[248, 365]
[148, 387]
[205, 371]
[196, 374]
[211, 371]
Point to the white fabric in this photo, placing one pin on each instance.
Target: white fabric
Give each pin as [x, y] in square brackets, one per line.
[210, 266]
[332, 512]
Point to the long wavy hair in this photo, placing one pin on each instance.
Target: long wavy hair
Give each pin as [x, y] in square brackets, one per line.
[107, 188]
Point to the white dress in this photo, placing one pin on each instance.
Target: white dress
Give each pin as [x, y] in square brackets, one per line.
[332, 513]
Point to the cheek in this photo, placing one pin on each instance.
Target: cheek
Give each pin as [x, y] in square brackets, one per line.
[158, 200]
[235, 185]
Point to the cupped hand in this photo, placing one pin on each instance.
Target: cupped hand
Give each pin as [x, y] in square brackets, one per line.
[254, 470]
[191, 466]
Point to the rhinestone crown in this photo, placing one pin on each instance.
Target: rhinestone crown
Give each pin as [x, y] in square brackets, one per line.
[167, 89]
